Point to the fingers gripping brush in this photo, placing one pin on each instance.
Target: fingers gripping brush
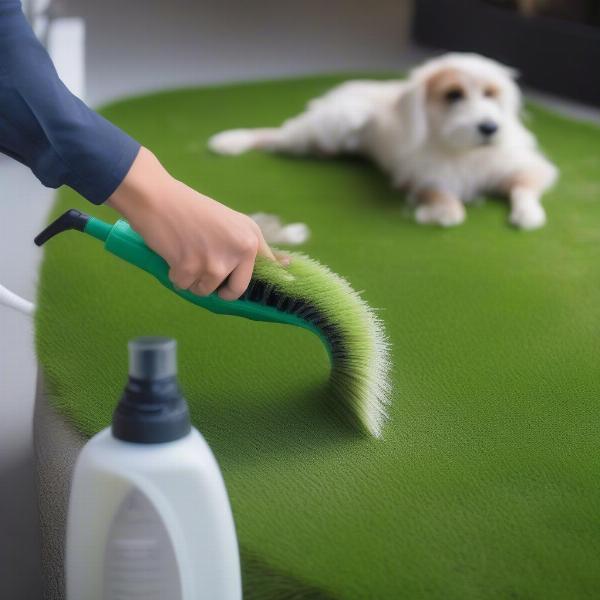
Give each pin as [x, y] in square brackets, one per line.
[305, 294]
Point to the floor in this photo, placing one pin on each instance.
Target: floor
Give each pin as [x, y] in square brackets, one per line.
[212, 45]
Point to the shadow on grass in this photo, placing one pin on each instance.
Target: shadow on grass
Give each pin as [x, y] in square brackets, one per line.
[307, 422]
[263, 582]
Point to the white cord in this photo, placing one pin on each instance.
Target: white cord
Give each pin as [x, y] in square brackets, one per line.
[11, 300]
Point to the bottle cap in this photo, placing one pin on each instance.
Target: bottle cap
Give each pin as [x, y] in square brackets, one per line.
[152, 409]
[152, 358]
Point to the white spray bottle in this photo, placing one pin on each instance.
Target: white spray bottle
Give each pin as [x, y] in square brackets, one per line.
[149, 515]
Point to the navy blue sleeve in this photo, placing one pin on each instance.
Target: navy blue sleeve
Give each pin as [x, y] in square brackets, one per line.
[46, 127]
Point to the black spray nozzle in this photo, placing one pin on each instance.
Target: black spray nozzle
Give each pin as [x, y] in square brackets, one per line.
[152, 409]
[72, 219]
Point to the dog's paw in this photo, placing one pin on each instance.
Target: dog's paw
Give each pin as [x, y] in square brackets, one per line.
[528, 216]
[233, 142]
[438, 213]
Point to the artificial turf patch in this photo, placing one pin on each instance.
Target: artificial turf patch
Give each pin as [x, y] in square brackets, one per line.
[485, 484]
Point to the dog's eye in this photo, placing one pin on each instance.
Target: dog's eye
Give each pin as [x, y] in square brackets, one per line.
[454, 95]
[490, 92]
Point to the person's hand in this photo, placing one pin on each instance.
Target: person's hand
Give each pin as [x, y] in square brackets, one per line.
[208, 246]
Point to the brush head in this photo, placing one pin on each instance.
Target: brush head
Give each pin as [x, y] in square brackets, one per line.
[354, 335]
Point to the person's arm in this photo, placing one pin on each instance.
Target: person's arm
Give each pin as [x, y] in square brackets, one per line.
[46, 127]
[207, 245]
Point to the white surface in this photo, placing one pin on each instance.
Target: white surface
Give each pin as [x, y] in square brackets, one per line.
[23, 204]
[180, 42]
[66, 46]
[186, 546]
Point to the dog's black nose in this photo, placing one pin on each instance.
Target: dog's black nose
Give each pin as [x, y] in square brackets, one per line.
[487, 128]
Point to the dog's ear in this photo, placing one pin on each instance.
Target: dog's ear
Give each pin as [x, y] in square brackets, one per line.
[411, 108]
[512, 94]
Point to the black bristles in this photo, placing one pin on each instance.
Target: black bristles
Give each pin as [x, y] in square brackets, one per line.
[264, 293]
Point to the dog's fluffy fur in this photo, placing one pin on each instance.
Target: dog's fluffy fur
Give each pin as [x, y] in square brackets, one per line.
[449, 132]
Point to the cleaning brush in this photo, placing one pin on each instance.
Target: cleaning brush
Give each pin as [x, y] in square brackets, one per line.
[305, 294]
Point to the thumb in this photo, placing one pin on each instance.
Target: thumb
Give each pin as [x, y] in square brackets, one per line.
[277, 256]
[283, 259]
[264, 249]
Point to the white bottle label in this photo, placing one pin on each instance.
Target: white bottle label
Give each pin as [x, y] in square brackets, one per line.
[140, 559]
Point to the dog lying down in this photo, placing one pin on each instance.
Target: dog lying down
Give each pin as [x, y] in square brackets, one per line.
[448, 133]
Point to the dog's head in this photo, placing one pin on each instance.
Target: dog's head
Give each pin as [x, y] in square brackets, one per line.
[459, 101]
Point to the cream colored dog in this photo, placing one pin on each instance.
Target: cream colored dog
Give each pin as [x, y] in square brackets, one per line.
[448, 133]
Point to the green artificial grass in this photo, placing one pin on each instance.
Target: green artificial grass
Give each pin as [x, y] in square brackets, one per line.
[486, 482]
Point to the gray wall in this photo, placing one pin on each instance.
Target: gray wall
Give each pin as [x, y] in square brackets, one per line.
[175, 42]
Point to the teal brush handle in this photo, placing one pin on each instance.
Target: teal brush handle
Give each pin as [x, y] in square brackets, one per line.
[122, 241]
